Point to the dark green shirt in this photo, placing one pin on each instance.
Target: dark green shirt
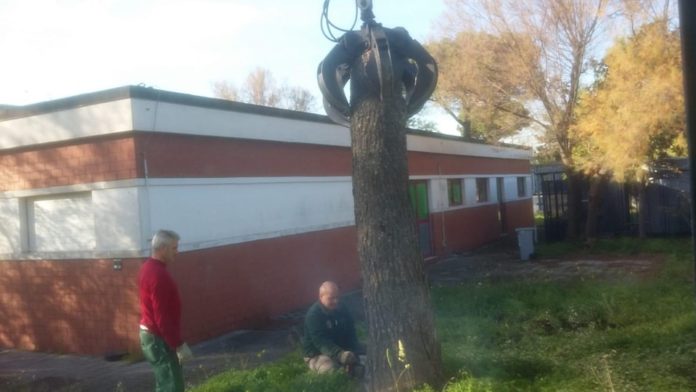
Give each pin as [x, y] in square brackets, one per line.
[328, 332]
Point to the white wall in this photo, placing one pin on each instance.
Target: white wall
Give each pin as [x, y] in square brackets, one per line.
[177, 118]
[117, 219]
[11, 226]
[156, 116]
[90, 120]
[439, 199]
[73, 222]
[212, 212]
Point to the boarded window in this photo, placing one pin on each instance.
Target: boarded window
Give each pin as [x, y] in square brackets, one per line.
[481, 190]
[454, 191]
[61, 223]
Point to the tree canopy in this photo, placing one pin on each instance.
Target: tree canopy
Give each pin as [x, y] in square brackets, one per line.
[261, 88]
[481, 83]
[635, 114]
[531, 55]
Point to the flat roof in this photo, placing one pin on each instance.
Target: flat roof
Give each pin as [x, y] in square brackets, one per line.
[10, 112]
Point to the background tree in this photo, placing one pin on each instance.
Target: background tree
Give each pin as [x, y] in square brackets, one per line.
[635, 116]
[562, 34]
[261, 88]
[479, 84]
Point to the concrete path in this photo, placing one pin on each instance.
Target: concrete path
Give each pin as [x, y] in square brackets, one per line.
[23, 371]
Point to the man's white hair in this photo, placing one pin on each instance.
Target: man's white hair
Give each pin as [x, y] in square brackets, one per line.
[164, 238]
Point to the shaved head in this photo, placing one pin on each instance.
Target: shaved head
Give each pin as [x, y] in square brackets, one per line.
[328, 295]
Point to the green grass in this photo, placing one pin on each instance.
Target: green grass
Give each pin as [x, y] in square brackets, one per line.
[590, 335]
[617, 247]
[583, 336]
[539, 218]
[286, 375]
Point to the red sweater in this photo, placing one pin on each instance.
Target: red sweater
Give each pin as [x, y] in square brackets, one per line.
[160, 304]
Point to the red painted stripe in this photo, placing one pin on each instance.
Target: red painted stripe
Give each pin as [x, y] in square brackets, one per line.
[103, 159]
[187, 156]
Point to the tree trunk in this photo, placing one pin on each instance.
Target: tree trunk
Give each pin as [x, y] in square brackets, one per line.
[593, 205]
[574, 207]
[395, 288]
[642, 210]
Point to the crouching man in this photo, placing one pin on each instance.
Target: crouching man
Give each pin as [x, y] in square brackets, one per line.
[329, 340]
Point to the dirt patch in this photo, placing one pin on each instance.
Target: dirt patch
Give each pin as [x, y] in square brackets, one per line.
[505, 266]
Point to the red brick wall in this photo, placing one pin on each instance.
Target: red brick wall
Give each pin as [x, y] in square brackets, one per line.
[171, 155]
[68, 306]
[177, 156]
[520, 213]
[102, 159]
[243, 285]
[423, 163]
[469, 228]
[85, 306]
[465, 228]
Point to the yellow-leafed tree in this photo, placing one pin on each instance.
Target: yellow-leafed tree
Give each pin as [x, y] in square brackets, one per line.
[635, 114]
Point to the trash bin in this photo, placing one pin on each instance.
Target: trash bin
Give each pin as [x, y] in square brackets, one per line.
[525, 240]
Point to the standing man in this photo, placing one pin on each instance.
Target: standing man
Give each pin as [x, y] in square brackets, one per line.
[329, 340]
[160, 310]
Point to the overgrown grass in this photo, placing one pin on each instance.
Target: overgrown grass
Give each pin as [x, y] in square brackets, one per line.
[635, 335]
[288, 374]
[626, 246]
[583, 336]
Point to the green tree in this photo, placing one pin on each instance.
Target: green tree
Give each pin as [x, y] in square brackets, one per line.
[479, 84]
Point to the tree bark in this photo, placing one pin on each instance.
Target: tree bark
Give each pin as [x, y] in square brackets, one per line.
[593, 205]
[395, 287]
[642, 209]
[574, 207]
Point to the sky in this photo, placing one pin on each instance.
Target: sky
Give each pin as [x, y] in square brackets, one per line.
[58, 48]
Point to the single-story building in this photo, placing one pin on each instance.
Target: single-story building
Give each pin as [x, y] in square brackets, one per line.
[260, 196]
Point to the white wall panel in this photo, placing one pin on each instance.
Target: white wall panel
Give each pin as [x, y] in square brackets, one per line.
[117, 219]
[90, 120]
[10, 226]
[438, 195]
[469, 191]
[510, 188]
[177, 118]
[217, 214]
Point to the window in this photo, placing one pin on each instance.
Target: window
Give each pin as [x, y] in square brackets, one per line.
[521, 186]
[454, 192]
[481, 190]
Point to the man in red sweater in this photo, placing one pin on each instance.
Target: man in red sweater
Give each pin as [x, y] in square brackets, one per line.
[160, 310]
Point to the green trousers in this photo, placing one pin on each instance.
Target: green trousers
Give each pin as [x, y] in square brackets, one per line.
[168, 374]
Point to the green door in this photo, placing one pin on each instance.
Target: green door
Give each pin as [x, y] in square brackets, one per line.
[418, 193]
